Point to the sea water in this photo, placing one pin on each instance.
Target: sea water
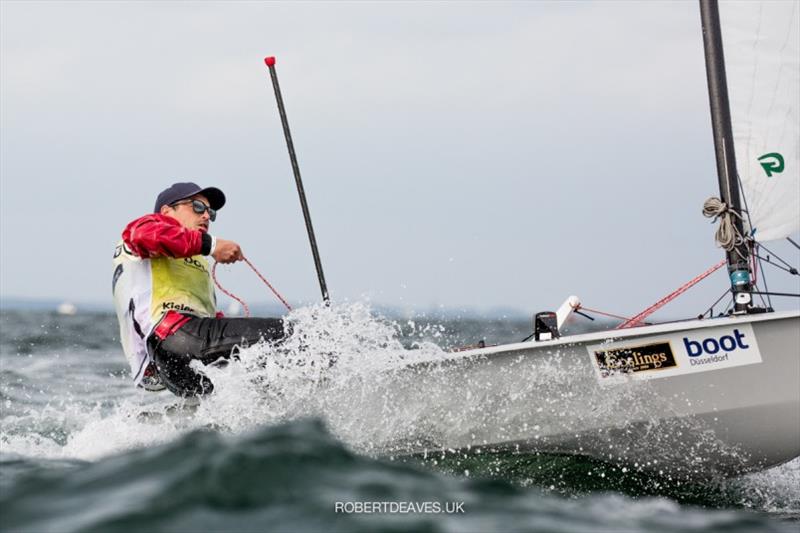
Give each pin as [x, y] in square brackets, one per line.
[309, 436]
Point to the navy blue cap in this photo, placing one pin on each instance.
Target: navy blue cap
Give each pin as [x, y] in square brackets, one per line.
[180, 191]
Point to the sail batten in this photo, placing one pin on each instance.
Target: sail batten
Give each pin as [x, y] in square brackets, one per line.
[762, 57]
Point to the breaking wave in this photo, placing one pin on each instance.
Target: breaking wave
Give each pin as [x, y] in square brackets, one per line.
[377, 387]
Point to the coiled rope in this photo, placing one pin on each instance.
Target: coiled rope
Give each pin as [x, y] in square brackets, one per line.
[242, 302]
[727, 236]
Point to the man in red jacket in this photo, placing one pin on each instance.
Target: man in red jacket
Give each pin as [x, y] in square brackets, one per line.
[164, 296]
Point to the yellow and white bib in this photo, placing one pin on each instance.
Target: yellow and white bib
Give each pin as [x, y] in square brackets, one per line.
[145, 289]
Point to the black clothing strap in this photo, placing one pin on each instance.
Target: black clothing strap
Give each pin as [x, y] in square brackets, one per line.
[136, 327]
[205, 249]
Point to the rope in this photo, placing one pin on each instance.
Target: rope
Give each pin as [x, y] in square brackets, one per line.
[230, 294]
[727, 236]
[623, 318]
[242, 302]
[668, 298]
[268, 284]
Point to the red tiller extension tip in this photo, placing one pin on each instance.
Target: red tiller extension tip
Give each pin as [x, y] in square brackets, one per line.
[270, 61]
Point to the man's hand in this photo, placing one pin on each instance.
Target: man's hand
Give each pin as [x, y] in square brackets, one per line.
[227, 252]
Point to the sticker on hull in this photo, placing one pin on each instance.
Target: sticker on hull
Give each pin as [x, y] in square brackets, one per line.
[676, 353]
[640, 358]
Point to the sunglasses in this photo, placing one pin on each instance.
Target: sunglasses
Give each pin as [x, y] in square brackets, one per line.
[199, 208]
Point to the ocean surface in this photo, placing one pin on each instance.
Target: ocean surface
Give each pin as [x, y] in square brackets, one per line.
[309, 437]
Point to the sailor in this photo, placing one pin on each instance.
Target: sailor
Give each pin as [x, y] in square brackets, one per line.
[164, 295]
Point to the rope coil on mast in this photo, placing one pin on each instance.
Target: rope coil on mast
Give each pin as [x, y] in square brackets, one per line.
[727, 236]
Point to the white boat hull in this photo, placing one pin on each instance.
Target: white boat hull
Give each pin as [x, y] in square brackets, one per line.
[724, 417]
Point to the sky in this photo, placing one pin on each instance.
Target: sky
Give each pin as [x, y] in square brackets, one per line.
[481, 156]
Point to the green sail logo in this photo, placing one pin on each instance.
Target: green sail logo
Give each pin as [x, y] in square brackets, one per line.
[771, 163]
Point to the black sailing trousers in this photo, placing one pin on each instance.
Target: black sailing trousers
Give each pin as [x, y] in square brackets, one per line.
[206, 340]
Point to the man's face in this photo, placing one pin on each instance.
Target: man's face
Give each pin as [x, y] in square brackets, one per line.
[184, 213]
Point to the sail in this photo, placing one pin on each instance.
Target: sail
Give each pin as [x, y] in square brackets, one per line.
[761, 42]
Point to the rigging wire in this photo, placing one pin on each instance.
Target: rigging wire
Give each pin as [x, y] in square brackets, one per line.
[754, 247]
[789, 268]
[730, 306]
[791, 294]
[763, 277]
[755, 266]
[795, 244]
[710, 310]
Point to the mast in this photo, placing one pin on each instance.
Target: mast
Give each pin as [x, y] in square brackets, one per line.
[270, 62]
[738, 257]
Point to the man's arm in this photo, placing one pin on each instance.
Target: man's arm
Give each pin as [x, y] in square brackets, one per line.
[226, 251]
[159, 235]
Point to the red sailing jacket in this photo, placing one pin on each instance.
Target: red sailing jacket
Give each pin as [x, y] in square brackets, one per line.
[158, 235]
